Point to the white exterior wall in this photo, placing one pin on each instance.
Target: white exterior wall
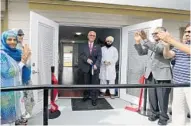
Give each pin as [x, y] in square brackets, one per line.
[19, 16]
[178, 4]
[106, 20]
[174, 26]
[2, 5]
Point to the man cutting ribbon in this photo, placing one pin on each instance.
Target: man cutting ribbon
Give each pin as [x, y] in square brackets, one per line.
[89, 64]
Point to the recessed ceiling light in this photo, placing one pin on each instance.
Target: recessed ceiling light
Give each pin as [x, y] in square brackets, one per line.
[78, 33]
[73, 41]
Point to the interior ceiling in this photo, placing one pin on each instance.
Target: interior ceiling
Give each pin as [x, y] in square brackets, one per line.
[67, 33]
[171, 4]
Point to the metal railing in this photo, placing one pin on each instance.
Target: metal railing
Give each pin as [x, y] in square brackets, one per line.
[46, 89]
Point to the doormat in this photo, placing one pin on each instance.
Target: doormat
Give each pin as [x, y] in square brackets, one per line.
[79, 105]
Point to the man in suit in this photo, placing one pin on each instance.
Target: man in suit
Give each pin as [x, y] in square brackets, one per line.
[158, 71]
[89, 64]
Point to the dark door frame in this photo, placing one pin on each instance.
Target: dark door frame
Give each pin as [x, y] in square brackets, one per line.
[60, 65]
[61, 61]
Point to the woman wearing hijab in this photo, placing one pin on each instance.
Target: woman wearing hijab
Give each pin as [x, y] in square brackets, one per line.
[12, 66]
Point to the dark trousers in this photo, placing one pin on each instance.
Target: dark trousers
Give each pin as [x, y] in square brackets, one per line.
[93, 80]
[158, 98]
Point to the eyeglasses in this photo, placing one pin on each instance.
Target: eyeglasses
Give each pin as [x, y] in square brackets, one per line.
[20, 34]
[187, 32]
[92, 35]
[155, 33]
[109, 41]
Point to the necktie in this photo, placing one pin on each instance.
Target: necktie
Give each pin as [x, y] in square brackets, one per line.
[90, 48]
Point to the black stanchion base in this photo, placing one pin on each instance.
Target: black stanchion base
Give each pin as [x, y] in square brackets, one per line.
[53, 115]
[144, 113]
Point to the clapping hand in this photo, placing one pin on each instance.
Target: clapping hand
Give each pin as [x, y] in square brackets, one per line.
[143, 35]
[140, 36]
[164, 36]
[137, 37]
[26, 53]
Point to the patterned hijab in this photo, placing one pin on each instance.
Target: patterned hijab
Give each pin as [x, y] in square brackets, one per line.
[14, 53]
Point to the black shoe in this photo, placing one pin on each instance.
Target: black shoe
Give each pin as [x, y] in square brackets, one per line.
[94, 103]
[112, 96]
[153, 118]
[162, 122]
[21, 121]
[102, 94]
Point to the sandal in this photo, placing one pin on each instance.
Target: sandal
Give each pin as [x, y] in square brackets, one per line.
[21, 121]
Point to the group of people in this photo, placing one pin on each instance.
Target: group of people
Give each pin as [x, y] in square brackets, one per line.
[16, 106]
[98, 63]
[168, 62]
[159, 71]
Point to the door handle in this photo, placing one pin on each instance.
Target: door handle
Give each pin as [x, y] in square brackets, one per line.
[34, 72]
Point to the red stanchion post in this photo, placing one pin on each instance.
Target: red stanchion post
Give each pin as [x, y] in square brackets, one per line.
[54, 112]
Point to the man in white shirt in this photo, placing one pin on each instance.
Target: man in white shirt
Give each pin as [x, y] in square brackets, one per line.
[107, 69]
[28, 94]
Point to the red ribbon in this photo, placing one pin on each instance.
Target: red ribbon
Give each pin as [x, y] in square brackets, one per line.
[141, 81]
[54, 107]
